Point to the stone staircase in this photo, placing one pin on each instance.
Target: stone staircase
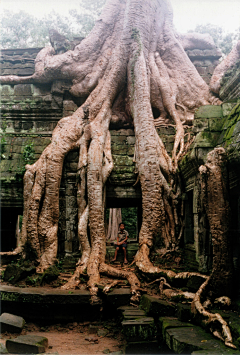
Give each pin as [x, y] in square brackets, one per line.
[155, 328]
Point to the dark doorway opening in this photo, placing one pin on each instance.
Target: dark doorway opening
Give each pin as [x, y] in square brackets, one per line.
[9, 227]
[131, 215]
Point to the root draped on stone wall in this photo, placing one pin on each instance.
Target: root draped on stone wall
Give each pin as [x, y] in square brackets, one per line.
[131, 62]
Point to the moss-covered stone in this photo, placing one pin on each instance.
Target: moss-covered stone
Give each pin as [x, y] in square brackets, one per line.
[142, 329]
[165, 323]
[50, 274]
[209, 111]
[206, 139]
[156, 307]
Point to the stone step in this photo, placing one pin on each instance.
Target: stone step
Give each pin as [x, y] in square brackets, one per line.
[165, 323]
[187, 338]
[11, 323]
[133, 314]
[156, 307]
[27, 344]
[141, 329]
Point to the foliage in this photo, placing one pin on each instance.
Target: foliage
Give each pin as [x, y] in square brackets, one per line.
[129, 217]
[88, 14]
[28, 153]
[225, 41]
[3, 141]
[22, 30]
[28, 157]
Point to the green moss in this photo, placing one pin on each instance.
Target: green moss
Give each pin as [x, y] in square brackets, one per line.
[50, 274]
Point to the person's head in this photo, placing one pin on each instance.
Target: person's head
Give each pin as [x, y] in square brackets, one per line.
[121, 226]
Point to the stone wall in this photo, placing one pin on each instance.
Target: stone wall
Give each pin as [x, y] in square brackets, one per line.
[30, 113]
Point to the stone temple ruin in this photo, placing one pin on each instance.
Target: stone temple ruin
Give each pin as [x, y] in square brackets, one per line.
[30, 112]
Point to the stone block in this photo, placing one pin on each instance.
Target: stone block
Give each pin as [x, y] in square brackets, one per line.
[206, 139]
[189, 339]
[119, 297]
[156, 307]
[7, 90]
[184, 312]
[227, 108]
[11, 323]
[14, 273]
[165, 323]
[200, 125]
[215, 124]
[141, 329]
[3, 349]
[133, 314]
[209, 111]
[69, 105]
[23, 90]
[27, 344]
[131, 140]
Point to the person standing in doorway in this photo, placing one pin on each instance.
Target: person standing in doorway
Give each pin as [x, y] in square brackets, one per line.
[121, 243]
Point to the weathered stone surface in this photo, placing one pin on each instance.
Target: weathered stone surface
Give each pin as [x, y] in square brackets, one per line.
[102, 332]
[200, 125]
[206, 139]
[23, 90]
[3, 349]
[27, 344]
[14, 273]
[133, 314]
[209, 111]
[119, 297]
[184, 312]
[156, 307]
[50, 274]
[165, 323]
[188, 339]
[11, 323]
[139, 329]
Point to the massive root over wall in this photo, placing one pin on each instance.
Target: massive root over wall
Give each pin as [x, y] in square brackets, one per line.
[131, 62]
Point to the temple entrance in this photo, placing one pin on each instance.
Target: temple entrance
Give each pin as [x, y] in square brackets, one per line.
[128, 211]
[10, 227]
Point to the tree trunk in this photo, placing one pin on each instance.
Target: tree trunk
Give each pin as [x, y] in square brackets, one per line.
[131, 62]
[115, 217]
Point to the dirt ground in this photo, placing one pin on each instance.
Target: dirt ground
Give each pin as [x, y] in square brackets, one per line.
[76, 338]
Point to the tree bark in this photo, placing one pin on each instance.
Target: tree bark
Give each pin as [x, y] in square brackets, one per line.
[131, 62]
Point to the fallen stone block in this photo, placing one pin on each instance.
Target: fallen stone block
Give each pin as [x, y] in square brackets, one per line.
[156, 307]
[15, 273]
[140, 329]
[27, 344]
[11, 323]
[165, 323]
[186, 340]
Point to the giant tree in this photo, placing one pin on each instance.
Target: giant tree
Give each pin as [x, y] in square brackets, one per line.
[131, 62]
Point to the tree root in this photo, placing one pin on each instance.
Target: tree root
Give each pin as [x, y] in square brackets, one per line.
[211, 320]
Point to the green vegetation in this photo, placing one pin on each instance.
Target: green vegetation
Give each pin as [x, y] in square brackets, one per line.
[28, 157]
[129, 217]
[225, 41]
[22, 30]
[3, 139]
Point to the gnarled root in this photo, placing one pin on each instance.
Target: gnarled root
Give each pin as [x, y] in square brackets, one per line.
[213, 321]
[123, 274]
